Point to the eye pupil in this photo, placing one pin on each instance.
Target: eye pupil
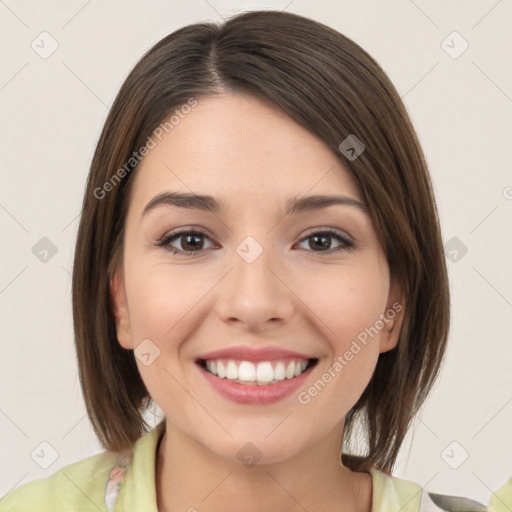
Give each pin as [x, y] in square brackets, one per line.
[187, 241]
[326, 243]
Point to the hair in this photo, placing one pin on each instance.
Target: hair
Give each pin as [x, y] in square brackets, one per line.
[332, 87]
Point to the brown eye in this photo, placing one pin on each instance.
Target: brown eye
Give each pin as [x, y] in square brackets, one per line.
[322, 240]
[191, 242]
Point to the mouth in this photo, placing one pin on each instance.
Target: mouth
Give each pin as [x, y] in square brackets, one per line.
[260, 373]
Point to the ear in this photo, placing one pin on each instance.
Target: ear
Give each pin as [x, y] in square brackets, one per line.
[392, 318]
[120, 308]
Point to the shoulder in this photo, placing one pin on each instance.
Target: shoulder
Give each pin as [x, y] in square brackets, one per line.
[78, 486]
[393, 494]
[501, 500]
[100, 483]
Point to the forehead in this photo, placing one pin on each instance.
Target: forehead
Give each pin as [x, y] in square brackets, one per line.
[237, 148]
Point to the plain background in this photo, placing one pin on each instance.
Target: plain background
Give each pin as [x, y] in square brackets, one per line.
[52, 110]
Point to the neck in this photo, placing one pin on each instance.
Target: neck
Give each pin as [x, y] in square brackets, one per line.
[191, 477]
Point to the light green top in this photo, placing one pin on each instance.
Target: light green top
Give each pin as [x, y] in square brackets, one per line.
[108, 483]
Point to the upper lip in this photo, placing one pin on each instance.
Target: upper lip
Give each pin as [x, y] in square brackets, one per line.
[254, 354]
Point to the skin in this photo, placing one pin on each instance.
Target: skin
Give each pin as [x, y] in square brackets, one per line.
[254, 158]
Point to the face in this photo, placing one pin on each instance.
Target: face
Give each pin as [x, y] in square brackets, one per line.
[267, 287]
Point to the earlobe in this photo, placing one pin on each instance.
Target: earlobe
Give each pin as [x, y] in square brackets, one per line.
[120, 309]
[392, 319]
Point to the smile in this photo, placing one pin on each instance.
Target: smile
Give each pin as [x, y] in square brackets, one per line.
[257, 373]
[256, 383]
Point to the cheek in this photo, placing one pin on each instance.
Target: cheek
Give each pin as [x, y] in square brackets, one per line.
[161, 310]
[161, 299]
[347, 306]
[347, 303]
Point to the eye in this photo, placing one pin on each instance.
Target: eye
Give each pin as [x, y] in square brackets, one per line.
[321, 239]
[191, 242]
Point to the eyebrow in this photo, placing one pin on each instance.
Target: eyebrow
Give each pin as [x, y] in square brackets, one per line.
[210, 203]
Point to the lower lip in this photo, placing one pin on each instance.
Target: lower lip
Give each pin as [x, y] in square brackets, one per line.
[255, 394]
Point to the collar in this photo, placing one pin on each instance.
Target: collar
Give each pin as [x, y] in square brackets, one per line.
[131, 484]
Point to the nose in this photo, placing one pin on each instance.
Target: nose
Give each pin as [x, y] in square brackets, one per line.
[255, 293]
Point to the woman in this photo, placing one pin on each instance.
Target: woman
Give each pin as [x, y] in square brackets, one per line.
[259, 254]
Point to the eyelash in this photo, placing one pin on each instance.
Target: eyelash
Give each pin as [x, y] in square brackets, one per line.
[167, 239]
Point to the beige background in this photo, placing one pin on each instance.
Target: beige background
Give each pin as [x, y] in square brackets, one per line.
[52, 111]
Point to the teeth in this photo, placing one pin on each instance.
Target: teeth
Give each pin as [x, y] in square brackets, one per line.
[221, 372]
[232, 371]
[279, 371]
[247, 371]
[263, 372]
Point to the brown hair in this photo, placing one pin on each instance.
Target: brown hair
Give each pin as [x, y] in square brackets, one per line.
[331, 86]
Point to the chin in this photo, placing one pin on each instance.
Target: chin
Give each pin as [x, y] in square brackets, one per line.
[256, 449]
